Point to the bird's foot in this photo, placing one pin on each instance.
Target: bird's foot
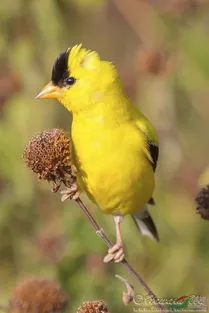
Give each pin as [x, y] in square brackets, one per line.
[116, 254]
[71, 193]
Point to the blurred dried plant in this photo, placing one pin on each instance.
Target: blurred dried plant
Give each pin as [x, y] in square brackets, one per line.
[94, 262]
[178, 7]
[36, 295]
[153, 61]
[93, 307]
[50, 246]
[202, 201]
[9, 84]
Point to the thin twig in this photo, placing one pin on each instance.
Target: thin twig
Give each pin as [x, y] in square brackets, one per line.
[106, 240]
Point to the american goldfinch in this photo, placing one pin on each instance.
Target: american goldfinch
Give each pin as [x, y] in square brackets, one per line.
[115, 147]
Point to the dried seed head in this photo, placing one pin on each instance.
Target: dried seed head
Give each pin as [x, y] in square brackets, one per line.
[38, 296]
[48, 154]
[202, 201]
[93, 307]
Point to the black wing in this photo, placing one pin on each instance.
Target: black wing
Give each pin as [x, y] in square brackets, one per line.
[151, 201]
[154, 152]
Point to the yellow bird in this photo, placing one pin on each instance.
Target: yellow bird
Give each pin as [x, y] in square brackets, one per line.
[115, 147]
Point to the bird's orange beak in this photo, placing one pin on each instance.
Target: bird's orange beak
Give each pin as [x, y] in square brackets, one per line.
[50, 91]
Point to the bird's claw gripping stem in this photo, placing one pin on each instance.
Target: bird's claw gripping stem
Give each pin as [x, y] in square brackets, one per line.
[116, 254]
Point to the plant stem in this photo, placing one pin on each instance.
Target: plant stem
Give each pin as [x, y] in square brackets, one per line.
[106, 240]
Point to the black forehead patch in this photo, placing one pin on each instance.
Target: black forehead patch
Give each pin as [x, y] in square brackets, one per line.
[60, 68]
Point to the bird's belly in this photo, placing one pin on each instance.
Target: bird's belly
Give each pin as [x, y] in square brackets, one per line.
[119, 181]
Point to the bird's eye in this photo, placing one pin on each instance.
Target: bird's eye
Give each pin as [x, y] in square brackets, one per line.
[70, 81]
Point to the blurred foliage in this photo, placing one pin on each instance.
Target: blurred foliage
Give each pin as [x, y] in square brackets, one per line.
[162, 52]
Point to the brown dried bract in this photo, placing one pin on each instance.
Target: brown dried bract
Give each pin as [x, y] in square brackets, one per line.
[128, 295]
[38, 296]
[93, 307]
[202, 201]
[48, 154]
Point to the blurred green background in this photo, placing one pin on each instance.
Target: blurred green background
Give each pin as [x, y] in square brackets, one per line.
[161, 49]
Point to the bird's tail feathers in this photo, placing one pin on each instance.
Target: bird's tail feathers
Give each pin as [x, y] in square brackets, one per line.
[145, 224]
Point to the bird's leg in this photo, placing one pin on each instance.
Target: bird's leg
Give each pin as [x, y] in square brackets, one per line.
[116, 253]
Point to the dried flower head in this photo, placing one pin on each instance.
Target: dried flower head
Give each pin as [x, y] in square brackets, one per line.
[48, 154]
[93, 307]
[202, 200]
[38, 296]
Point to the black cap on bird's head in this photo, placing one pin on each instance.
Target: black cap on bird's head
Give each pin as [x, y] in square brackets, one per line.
[60, 68]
